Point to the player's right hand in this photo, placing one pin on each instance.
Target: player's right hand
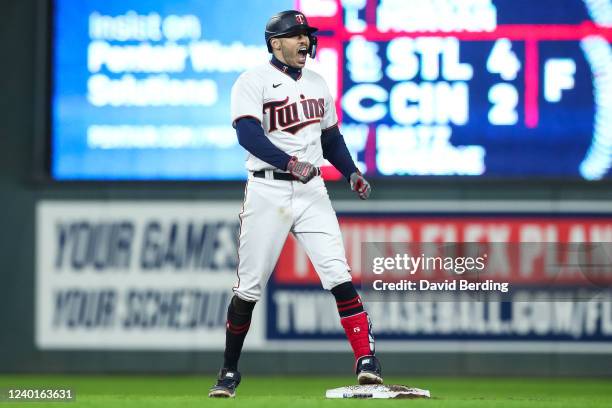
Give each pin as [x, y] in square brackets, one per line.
[303, 171]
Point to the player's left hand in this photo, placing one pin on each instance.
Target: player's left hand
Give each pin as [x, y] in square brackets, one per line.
[360, 185]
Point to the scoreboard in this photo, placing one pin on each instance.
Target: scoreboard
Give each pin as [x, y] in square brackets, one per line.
[464, 88]
[471, 88]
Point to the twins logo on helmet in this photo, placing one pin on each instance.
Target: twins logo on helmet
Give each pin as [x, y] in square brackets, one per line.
[287, 23]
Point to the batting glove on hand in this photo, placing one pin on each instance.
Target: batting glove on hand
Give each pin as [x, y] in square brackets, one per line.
[303, 171]
[360, 185]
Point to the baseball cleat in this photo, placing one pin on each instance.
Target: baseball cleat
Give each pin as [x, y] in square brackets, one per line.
[227, 381]
[368, 370]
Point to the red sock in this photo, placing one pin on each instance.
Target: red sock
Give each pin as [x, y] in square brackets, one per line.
[358, 333]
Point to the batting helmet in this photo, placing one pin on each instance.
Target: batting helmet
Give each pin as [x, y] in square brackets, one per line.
[288, 23]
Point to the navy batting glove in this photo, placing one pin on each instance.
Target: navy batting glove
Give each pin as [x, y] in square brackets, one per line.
[303, 171]
[360, 185]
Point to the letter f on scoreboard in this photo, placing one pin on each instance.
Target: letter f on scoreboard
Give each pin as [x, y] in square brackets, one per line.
[558, 76]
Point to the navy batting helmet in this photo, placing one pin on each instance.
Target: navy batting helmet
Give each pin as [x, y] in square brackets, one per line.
[288, 23]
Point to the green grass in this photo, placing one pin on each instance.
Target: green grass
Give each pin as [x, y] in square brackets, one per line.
[255, 391]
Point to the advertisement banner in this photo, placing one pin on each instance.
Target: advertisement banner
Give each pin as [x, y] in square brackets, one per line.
[135, 275]
[541, 308]
[158, 276]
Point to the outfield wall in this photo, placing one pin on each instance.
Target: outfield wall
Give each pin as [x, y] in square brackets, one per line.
[127, 275]
[43, 281]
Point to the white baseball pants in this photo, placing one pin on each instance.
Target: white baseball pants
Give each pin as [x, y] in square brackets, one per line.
[271, 209]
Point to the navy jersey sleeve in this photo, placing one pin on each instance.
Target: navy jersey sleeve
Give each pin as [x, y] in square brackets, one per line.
[336, 152]
[251, 136]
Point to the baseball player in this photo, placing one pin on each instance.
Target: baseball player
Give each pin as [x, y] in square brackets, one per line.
[285, 118]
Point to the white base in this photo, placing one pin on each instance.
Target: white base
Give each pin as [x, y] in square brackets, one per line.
[377, 391]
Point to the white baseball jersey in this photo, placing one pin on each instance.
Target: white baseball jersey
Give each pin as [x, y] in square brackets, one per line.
[292, 113]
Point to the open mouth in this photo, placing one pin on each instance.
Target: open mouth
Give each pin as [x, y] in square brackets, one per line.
[303, 51]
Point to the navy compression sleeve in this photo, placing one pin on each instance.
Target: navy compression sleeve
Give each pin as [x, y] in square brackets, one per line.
[336, 152]
[251, 136]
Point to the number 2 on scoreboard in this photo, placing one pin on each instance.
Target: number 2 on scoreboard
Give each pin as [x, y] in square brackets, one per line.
[504, 98]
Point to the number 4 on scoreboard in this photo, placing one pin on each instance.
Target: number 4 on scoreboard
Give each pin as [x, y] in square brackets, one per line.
[503, 61]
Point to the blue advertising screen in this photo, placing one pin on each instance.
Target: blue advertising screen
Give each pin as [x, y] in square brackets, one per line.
[465, 88]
